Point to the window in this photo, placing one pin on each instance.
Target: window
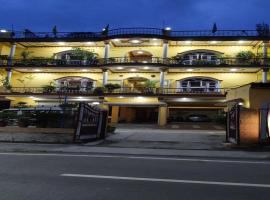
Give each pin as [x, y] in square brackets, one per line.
[198, 84]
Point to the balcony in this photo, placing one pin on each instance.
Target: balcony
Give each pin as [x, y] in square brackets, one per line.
[124, 91]
[28, 35]
[154, 61]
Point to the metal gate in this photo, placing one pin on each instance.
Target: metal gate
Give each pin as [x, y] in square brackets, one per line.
[233, 123]
[91, 123]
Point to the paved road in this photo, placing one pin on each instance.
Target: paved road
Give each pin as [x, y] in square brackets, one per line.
[72, 177]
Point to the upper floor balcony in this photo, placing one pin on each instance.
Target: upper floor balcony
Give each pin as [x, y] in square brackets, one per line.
[126, 61]
[106, 34]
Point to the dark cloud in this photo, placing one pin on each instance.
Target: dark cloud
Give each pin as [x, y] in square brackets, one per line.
[86, 15]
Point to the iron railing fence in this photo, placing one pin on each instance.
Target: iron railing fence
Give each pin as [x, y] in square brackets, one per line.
[103, 92]
[27, 34]
[170, 62]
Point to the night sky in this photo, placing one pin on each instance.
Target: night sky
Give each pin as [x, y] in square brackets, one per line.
[93, 15]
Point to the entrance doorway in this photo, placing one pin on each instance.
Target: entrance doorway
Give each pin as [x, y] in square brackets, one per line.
[140, 115]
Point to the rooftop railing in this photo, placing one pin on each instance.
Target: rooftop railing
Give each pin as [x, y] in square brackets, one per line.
[115, 61]
[122, 32]
[90, 91]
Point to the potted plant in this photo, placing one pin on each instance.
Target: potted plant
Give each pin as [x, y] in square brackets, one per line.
[150, 86]
[49, 88]
[245, 57]
[99, 91]
[111, 87]
[6, 84]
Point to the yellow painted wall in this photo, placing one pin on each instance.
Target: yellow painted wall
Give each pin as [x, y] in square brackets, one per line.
[15, 100]
[41, 79]
[228, 80]
[156, 51]
[241, 92]
[132, 100]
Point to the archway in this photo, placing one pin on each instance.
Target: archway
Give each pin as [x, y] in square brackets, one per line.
[136, 84]
[140, 56]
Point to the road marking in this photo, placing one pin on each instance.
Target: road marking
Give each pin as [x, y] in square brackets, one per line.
[167, 180]
[139, 157]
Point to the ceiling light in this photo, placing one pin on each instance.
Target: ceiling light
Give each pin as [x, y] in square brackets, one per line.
[61, 43]
[90, 43]
[37, 70]
[168, 28]
[155, 39]
[146, 68]
[233, 70]
[188, 42]
[133, 70]
[116, 40]
[79, 97]
[156, 44]
[213, 42]
[190, 70]
[95, 103]
[120, 97]
[135, 41]
[145, 61]
[84, 70]
[3, 31]
[119, 68]
[139, 52]
[241, 41]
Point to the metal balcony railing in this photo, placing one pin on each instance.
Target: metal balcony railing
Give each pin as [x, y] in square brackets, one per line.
[169, 62]
[122, 32]
[103, 92]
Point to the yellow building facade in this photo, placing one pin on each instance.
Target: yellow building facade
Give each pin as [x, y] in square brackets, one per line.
[157, 76]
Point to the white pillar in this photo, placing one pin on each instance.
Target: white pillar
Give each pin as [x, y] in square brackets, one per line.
[162, 78]
[9, 75]
[12, 53]
[105, 77]
[165, 49]
[107, 50]
[264, 75]
[265, 62]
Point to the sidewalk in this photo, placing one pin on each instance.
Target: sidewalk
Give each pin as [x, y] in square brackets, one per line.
[86, 149]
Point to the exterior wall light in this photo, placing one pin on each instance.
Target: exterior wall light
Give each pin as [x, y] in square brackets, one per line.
[119, 68]
[37, 70]
[190, 70]
[135, 41]
[3, 31]
[187, 42]
[168, 29]
[213, 42]
[61, 43]
[146, 68]
[233, 70]
[241, 41]
[84, 70]
[133, 70]
[139, 52]
[95, 103]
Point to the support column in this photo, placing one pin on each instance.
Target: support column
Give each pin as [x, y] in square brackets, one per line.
[162, 115]
[12, 53]
[265, 62]
[9, 75]
[105, 77]
[107, 50]
[115, 114]
[165, 49]
[162, 78]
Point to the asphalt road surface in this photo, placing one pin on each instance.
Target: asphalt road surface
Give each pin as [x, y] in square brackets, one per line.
[71, 177]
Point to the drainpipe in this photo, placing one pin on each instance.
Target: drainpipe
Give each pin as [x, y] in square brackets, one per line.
[12, 53]
[165, 49]
[107, 50]
[105, 77]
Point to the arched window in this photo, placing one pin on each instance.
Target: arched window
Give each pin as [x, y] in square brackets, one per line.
[200, 56]
[198, 84]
